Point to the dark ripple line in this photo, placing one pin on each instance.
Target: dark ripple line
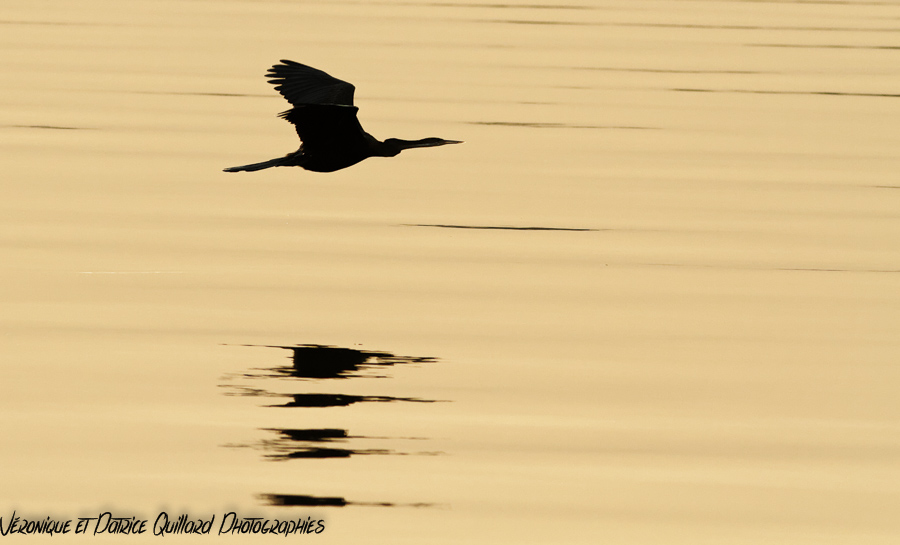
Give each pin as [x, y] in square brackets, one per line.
[54, 127]
[490, 6]
[499, 227]
[665, 71]
[538, 125]
[54, 23]
[828, 46]
[684, 25]
[814, 269]
[202, 94]
[787, 269]
[303, 500]
[816, 2]
[208, 94]
[763, 92]
[587, 8]
[473, 5]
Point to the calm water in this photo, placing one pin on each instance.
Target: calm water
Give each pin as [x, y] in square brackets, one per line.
[654, 298]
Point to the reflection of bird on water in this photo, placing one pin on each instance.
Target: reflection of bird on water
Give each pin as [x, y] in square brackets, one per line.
[325, 119]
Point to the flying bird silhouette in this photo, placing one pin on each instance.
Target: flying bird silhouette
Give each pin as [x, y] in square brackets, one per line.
[325, 118]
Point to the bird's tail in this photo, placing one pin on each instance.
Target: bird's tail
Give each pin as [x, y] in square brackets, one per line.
[257, 166]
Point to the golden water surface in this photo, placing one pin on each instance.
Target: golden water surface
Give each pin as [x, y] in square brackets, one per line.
[654, 298]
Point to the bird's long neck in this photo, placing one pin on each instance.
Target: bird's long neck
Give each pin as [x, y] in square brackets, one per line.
[393, 146]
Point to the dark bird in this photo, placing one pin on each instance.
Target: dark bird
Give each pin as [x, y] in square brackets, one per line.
[325, 118]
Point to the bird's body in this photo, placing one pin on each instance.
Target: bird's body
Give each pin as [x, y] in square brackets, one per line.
[325, 118]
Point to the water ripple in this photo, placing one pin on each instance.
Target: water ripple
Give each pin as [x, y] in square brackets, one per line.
[551, 125]
[774, 92]
[499, 227]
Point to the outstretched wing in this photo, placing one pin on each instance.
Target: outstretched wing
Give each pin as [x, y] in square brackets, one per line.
[326, 126]
[301, 84]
